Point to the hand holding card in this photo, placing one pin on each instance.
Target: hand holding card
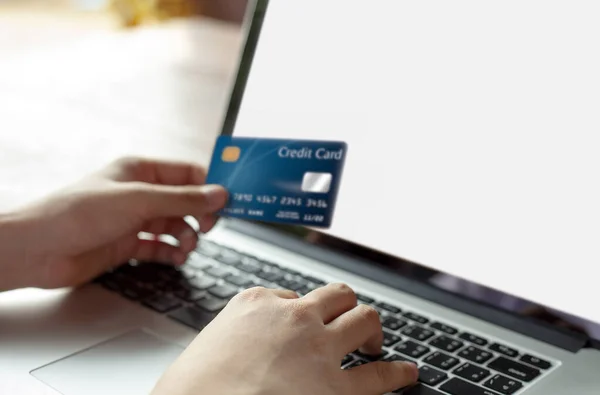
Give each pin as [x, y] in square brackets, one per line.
[282, 181]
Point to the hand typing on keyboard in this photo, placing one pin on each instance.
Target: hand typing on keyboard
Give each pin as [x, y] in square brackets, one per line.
[273, 342]
[93, 225]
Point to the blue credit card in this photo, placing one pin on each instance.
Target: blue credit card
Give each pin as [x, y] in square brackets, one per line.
[277, 180]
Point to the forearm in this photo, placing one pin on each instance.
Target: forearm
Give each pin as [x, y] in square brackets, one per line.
[14, 251]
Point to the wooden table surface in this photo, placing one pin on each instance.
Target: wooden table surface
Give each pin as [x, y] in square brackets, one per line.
[84, 98]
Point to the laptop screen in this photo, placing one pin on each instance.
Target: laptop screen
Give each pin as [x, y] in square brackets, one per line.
[473, 132]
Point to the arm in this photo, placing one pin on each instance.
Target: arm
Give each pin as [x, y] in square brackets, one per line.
[264, 341]
[268, 342]
[92, 226]
[15, 248]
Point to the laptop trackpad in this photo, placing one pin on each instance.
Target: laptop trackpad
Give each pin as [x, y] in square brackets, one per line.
[128, 364]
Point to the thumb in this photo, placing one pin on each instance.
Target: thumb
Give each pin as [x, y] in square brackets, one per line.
[158, 201]
[382, 377]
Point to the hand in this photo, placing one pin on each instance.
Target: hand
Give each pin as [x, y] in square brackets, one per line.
[94, 225]
[270, 342]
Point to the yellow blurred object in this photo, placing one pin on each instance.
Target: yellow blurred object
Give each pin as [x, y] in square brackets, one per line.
[137, 12]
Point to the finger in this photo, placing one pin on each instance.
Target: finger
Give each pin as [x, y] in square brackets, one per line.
[156, 201]
[358, 329]
[176, 173]
[332, 300]
[157, 171]
[382, 377]
[284, 293]
[207, 223]
[270, 292]
[176, 227]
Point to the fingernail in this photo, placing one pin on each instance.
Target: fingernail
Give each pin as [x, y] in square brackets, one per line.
[216, 196]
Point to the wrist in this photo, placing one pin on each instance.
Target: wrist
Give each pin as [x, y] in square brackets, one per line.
[16, 253]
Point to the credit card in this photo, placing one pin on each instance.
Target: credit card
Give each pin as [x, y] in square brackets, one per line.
[279, 180]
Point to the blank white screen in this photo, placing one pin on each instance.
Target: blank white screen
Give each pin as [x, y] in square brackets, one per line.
[473, 131]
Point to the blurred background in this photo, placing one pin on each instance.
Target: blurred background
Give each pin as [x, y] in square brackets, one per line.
[83, 82]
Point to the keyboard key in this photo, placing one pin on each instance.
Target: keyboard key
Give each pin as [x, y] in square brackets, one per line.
[270, 276]
[412, 349]
[110, 283]
[190, 295]
[480, 341]
[292, 285]
[370, 358]
[444, 328]
[198, 262]
[290, 271]
[252, 284]
[537, 362]
[314, 280]
[364, 298]
[390, 339]
[223, 291]
[502, 349]
[248, 267]
[475, 354]
[240, 281]
[122, 279]
[149, 274]
[471, 372]
[208, 248]
[415, 317]
[392, 323]
[418, 333]
[273, 267]
[388, 307]
[420, 390]
[124, 271]
[397, 357]
[229, 257]
[461, 387]
[431, 376]
[145, 272]
[514, 369]
[304, 290]
[217, 272]
[162, 303]
[135, 292]
[176, 274]
[347, 359]
[441, 360]
[192, 317]
[211, 304]
[307, 288]
[116, 281]
[167, 285]
[356, 363]
[187, 273]
[446, 343]
[504, 385]
[200, 282]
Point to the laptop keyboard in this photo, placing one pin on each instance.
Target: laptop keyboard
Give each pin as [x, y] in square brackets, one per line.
[451, 361]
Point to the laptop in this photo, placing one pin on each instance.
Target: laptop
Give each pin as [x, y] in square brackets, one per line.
[467, 215]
